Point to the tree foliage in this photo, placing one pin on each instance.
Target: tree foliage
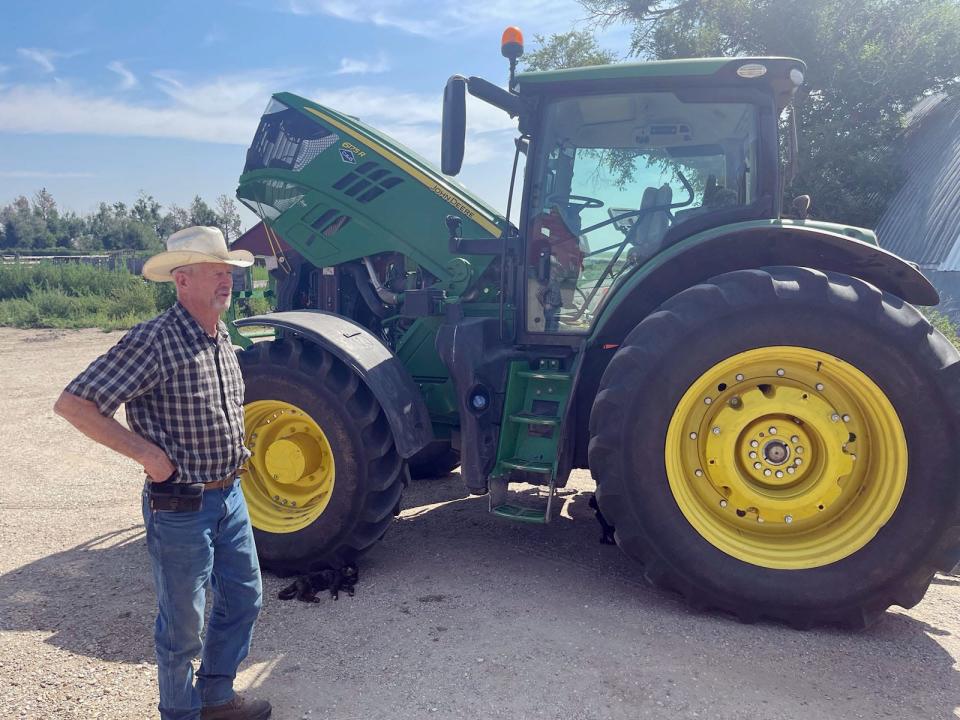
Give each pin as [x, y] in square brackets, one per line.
[868, 63]
[576, 48]
[38, 225]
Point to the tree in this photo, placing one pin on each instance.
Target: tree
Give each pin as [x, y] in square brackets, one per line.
[228, 218]
[177, 219]
[201, 213]
[44, 205]
[868, 63]
[25, 228]
[146, 210]
[575, 48]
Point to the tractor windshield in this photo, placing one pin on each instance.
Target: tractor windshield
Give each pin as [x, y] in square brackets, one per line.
[614, 174]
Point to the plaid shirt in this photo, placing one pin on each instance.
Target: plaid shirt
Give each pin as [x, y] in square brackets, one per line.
[183, 391]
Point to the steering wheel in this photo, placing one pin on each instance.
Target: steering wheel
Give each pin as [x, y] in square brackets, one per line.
[575, 202]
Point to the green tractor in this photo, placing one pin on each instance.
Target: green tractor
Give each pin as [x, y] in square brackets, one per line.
[772, 426]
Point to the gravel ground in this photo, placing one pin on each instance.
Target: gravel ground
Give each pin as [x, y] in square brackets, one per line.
[457, 615]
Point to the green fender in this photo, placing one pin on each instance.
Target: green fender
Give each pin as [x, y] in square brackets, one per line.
[755, 244]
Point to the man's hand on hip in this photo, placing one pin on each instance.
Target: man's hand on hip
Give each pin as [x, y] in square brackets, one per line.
[157, 466]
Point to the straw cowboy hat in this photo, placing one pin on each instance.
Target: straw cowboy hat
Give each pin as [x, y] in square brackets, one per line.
[190, 246]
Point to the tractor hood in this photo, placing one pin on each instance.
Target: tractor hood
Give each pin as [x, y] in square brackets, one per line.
[336, 189]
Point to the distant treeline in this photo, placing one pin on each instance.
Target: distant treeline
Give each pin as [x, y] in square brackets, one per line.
[37, 226]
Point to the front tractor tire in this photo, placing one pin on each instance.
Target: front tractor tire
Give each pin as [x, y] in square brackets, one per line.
[778, 443]
[325, 478]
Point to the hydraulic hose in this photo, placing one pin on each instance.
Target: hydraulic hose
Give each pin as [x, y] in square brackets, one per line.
[366, 292]
[388, 296]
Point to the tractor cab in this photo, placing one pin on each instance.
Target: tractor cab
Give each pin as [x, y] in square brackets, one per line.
[624, 161]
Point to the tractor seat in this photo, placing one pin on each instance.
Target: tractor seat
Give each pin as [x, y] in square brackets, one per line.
[646, 235]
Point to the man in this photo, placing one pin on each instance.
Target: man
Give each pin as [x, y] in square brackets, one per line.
[180, 381]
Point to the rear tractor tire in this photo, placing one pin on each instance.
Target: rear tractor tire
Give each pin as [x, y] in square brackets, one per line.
[778, 443]
[325, 478]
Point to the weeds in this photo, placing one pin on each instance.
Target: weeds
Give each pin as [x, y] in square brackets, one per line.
[47, 295]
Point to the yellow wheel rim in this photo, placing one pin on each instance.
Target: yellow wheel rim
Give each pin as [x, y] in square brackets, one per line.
[291, 473]
[786, 457]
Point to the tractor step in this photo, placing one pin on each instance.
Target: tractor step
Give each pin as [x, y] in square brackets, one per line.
[543, 375]
[528, 465]
[521, 514]
[504, 504]
[531, 419]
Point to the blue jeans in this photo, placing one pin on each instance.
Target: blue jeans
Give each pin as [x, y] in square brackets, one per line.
[188, 550]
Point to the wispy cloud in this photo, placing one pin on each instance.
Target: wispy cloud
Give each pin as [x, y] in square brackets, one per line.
[444, 18]
[382, 13]
[44, 175]
[127, 78]
[414, 119]
[222, 110]
[42, 57]
[353, 66]
[226, 110]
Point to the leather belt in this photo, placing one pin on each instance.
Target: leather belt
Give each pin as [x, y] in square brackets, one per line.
[224, 482]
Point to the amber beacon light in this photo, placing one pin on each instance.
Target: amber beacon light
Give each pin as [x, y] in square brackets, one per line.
[511, 43]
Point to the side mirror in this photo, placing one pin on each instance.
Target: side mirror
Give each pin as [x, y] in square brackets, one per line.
[454, 125]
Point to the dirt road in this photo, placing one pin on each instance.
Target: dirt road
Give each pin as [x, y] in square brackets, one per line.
[457, 615]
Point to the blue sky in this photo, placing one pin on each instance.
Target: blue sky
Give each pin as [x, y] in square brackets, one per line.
[99, 100]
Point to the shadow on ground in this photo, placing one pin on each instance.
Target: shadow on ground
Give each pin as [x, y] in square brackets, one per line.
[447, 566]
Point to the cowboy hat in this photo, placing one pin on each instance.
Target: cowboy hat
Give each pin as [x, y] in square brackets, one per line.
[190, 246]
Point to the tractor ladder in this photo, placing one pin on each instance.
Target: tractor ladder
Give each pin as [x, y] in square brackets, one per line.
[535, 404]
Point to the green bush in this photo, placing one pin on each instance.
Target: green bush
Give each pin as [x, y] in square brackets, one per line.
[19, 312]
[78, 296]
[18, 280]
[944, 324]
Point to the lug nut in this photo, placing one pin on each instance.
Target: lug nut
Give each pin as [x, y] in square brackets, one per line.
[820, 387]
[780, 372]
[754, 443]
[794, 439]
[707, 401]
[798, 461]
[739, 377]
[773, 431]
[779, 473]
[835, 417]
[788, 519]
[790, 470]
[846, 418]
[753, 455]
[723, 503]
[693, 436]
[799, 449]
[716, 431]
[698, 472]
[767, 472]
[757, 466]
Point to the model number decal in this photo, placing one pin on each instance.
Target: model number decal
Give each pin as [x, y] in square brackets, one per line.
[354, 149]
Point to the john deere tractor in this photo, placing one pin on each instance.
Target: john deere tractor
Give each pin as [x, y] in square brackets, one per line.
[772, 426]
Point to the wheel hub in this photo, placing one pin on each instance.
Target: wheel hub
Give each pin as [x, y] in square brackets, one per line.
[291, 471]
[776, 452]
[786, 457]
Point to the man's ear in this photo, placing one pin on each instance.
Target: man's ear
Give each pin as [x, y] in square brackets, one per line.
[179, 279]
